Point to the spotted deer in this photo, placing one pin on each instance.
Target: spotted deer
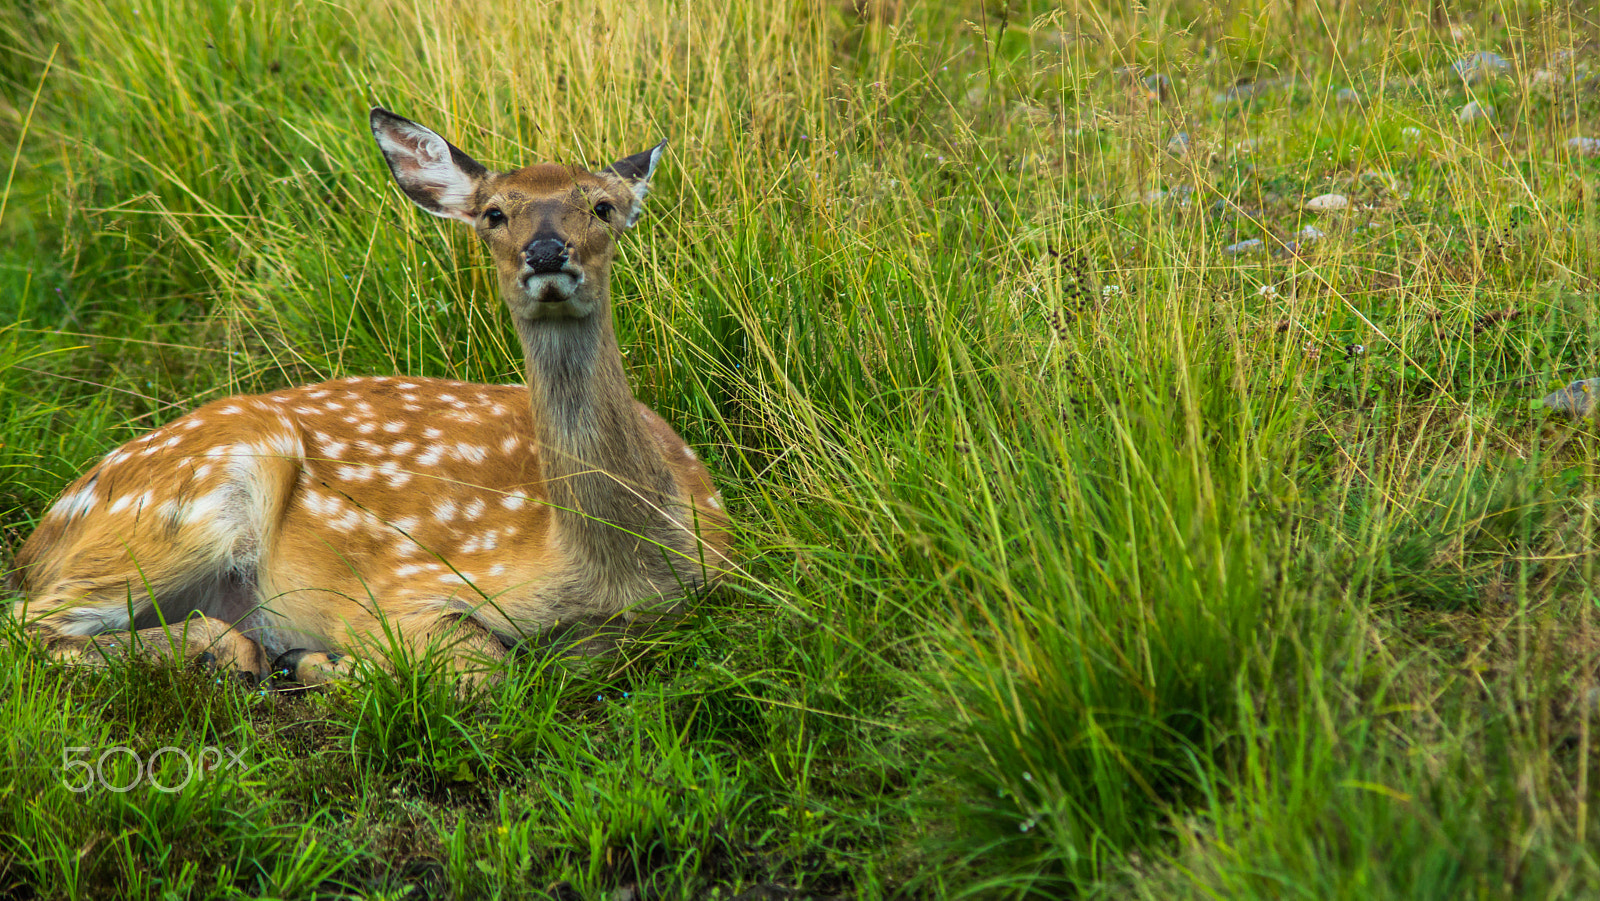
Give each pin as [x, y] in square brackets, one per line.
[287, 531]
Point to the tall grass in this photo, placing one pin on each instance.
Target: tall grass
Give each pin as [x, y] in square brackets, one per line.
[1082, 556]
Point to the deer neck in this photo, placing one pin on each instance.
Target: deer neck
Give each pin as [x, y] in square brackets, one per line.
[606, 482]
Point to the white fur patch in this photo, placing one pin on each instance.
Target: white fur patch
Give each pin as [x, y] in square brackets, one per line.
[75, 504]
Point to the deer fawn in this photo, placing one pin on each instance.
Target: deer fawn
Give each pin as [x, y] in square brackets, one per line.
[296, 526]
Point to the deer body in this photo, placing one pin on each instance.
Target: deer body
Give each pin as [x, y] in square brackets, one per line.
[296, 524]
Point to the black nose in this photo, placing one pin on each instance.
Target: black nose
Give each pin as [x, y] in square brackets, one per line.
[546, 254]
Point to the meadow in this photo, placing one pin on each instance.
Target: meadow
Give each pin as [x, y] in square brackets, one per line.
[1114, 521]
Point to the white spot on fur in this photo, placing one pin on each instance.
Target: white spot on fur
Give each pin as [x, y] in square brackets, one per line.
[715, 501]
[397, 476]
[354, 473]
[514, 500]
[407, 386]
[75, 504]
[689, 452]
[394, 428]
[497, 569]
[509, 445]
[410, 569]
[471, 453]
[430, 457]
[209, 507]
[137, 503]
[230, 409]
[319, 394]
[475, 509]
[401, 447]
[366, 428]
[445, 511]
[432, 432]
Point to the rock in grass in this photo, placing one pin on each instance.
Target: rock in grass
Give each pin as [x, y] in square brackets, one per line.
[1328, 203]
[1584, 146]
[1480, 66]
[1474, 112]
[1576, 400]
[1237, 93]
[1252, 246]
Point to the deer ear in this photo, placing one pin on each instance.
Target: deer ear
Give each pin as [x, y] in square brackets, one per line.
[635, 172]
[433, 172]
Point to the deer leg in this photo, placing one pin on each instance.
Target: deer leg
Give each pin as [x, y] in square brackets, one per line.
[472, 650]
[196, 638]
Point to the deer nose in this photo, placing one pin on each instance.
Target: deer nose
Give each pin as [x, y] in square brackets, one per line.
[545, 254]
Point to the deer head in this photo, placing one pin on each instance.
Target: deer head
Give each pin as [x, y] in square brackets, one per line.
[551, 229]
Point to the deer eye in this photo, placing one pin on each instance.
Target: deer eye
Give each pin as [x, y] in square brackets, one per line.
[494, 218]
[604, 209]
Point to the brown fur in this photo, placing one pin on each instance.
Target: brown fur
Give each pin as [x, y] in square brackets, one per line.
[312, 517]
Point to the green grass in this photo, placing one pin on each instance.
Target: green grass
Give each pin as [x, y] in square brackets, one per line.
[1081, 557]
